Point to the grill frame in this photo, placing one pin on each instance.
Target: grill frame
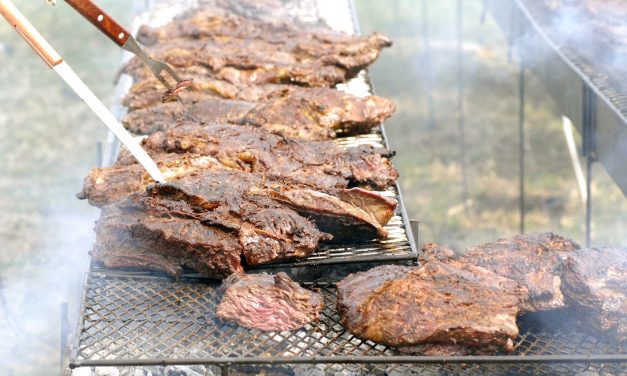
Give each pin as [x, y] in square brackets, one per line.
[137, 329]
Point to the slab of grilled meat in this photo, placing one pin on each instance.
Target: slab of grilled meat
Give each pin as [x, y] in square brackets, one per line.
[314, 114]
[106, 186]
[249, 149]
[148, 91]
[316, 62]
[439, 304]
[208, 224]
[532, 260]
[594, 282]
[168, 115]
[348, 214]
[130, 235]
[327, 46]
[268, 302]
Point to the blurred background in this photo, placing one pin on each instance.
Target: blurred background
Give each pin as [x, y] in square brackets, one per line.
[455, 133]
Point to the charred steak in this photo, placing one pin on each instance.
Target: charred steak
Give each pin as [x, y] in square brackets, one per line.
[315, 114]
[268, 302]
[533, 260]
[594, 282]
[305, 59]
[343, 219]
[128, 235]
[321, 163]
[179, 223]
[438, 303]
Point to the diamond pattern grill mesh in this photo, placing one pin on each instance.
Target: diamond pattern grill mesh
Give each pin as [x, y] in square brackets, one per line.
[140, 318]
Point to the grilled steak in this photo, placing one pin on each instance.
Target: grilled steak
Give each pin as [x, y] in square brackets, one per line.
[268, 302]
[128, 235]
[320, 163]
[103, 186]
[348, 213]
[315, 114]
[169, 115]
[191, 223]
[532, 260]
[438, 303]
[309, 59]
[149, 91]
[594, 282]
[343, 219]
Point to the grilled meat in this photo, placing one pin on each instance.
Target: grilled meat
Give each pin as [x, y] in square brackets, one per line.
[324, 46]
[321, 163]
[348, 213]
[438, 303]
[148, 91]
[319, 114]
[268, 302]
[533, 260]
[341, 218]
[318, 62]
[104, 186]
[314, 114]
[128, 235]
[594, 282]
[168, 115]
[199, 223]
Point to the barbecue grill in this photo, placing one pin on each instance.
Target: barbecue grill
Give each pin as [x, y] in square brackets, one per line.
[134, 318]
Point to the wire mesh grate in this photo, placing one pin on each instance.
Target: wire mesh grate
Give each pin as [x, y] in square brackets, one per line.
[130, 318]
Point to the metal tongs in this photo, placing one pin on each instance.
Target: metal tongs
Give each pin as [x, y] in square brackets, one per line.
[52, 58]
[112, 29]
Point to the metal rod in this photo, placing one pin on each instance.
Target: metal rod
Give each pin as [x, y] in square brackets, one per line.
[371, 359]
[65, 328]
[427, 63]
[460, 106]
[521, 137]
[588, 149]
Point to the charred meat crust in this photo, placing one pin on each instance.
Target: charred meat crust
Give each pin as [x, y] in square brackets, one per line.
[437, 303]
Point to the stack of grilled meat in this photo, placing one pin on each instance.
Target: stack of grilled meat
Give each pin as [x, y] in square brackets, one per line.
[254, 175]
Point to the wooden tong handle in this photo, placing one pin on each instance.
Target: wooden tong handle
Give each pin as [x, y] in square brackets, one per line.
[101, 20]
[29, 33]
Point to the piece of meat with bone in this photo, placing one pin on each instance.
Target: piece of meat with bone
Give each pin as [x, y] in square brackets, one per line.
[342, 219]
[353, 213]
[320, 163]
[314, 114]
[316, 62]
[594, 282]
[533, 260]
[438, 303]
[268, 302]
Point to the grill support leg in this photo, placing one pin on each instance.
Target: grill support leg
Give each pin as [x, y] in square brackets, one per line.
[65, 330]
[589, 150]
[424, 13]
[460, 106]
[521, 151]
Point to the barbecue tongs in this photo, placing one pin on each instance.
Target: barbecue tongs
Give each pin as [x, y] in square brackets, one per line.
[112, 29]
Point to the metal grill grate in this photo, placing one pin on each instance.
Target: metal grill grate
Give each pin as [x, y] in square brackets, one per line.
[130, 318]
